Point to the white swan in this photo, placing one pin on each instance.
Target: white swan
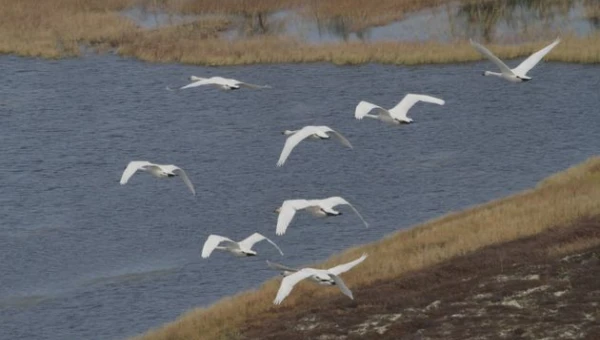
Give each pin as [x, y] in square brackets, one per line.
[318, 207]
[397, 114]
[519, 73]
[286, 271]
[323, 276]
[156, 170]
[222, 83]
[314, 132]
[242, 248]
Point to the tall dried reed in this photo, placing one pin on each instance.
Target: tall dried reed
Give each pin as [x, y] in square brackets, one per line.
[273, 49]
[558, 201]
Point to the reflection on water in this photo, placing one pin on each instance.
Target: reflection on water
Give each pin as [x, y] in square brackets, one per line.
[508, 21]
[150, 18]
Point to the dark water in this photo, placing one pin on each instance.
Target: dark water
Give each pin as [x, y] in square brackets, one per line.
[82, 257]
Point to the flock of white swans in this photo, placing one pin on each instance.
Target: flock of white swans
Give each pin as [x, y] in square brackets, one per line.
[317, 207]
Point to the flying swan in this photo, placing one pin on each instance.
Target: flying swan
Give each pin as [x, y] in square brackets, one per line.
[322, 276]
[397, 114]
[519, 73]
[222, 83]
[314, 132]
[319, 208]
[242, 248]
[156, 170]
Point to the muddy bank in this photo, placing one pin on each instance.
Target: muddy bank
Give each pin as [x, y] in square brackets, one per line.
[539, 287]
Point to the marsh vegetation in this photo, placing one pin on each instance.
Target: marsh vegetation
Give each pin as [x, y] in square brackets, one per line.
[272, 31]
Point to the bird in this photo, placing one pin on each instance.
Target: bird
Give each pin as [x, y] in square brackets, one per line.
[519, 73]
[220, 82]
[156, 170]
[328, 277]
[242, 248]
[286, 271]
[397, 114]
[317, 207]
[314, 132]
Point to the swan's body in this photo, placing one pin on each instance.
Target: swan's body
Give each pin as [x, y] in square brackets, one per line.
[287, 271]
[397, 114]
[222, 83]
[156, 170]
[317, 207]
[242, 248]
[328, 277]
[314, 132]
[519, 73]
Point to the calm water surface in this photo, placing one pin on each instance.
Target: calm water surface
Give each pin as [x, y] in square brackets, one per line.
[82, 257]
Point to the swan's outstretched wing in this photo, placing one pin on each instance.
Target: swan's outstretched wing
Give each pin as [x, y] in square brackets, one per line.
[252, 86]
[287, 212]
[364, 108]
[293, 140]
[288, 283]
[336, 134]
[535, 58]
[181, 173]
[486, 53]
[409, 101]
[278, 266]
[342, 268]
[204, 81]
[131, 168]
[251, 240]
[213, 241]
[340, 283]
[336, 200]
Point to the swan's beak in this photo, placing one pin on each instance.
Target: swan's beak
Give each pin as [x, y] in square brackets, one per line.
[483, 73]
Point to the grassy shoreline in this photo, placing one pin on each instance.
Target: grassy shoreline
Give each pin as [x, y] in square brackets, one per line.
[559, 200]
[58, 28]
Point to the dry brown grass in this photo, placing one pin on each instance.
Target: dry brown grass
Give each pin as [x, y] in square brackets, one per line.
[572, 195]
[55, 29]
[272, 49]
